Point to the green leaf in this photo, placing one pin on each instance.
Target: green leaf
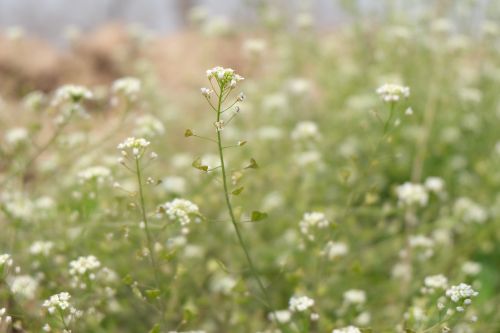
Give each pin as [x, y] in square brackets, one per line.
[253, 164]
[188, 133]
[258, 216]
[152, 293]
[238, 190]
[155, 329]
[197, 164]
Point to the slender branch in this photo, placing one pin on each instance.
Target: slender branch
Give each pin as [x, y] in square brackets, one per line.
[149, 239]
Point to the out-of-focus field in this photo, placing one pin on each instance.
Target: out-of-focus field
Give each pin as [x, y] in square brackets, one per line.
[359, 213]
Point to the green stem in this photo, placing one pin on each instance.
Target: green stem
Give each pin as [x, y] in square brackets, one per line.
[149, 238]
[388, 122]
[242, 243]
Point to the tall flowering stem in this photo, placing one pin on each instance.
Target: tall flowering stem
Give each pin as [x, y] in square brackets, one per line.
[226, 80]
[135, 149]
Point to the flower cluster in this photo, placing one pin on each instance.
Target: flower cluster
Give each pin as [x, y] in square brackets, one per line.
[71, 94]
[433, 282]
[128, 87]
[24, 286]
[5, 260]
[461, 292]
[82, 269]
[300, 303]
[412, 194]
[423, 246]
[225, 77]
[136, 146]
[471, 268]
[434, 184]
[461, 295]
[16, 136]
[335, 250]
[59, 303]
[281, 316]
[393, 92]
[469, 211]
[3, 318]
[347, 329]
[148, 126]
[181, 210]
[305, 130]
[41, 248]
[355, 297]
[98, 174]
[313, 220]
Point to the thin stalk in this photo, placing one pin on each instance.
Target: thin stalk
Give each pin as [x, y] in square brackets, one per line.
[149, 239]
[242, 243]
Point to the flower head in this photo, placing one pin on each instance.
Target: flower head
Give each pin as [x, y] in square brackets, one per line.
[136, 146]
[225, 77]
[461, 292]
[300, 303]
[128, 87]
[71, 93]
[411, 194]
[347, 329]
[180, 210]
[393, 92]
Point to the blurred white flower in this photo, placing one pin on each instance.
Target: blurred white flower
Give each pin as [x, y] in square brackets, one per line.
[393, 92]
[305, 130]
[347, 329]
[471, 268]
[355, 296]
[300, 303]
[24, 286]
[128, 87]
[412, 194]
[335, 250]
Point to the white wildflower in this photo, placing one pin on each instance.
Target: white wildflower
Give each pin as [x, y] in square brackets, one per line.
[313, 220]
[82, 269]
[128, 86]
[136, 146]
[181, 210]
[433, 282]
[434, 184]
[5, 260]
[347, 329]
[72, 94]
[148, 126]
[355, 296]
[423, 246]
[225, 77]
[24, 286]
[305, 130]
[335, 250]
[281, 316]
[469, 211]
[16, 136]
[412, 194]
[393, 92]
[98, 174]
[254, 47]
[300, 303]
[471, 268]
[460, 293]
[41, 248]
